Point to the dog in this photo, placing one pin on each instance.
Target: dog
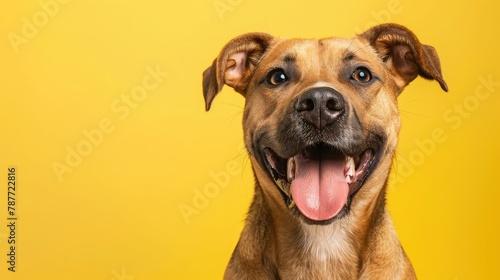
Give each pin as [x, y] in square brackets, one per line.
[321, 126]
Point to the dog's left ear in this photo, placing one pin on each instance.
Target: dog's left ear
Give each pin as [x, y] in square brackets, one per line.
[400, 49]
[235, 64]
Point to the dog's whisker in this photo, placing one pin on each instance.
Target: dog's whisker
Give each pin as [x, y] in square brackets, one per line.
[234, 105]
[407, 114]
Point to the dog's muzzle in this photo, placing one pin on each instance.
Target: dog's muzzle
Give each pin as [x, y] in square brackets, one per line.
[321, 178]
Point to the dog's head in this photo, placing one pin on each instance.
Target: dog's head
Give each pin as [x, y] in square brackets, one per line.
[321, 118]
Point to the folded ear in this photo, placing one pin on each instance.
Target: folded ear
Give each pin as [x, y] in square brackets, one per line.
[235, 64]
[400, 49]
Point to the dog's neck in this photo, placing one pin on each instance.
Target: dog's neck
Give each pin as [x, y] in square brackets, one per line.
[326, 251]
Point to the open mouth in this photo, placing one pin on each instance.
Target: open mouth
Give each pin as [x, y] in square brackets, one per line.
[320, 180]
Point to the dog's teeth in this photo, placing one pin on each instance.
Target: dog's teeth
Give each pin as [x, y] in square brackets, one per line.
[349, 169]
[291, 205]
[290, 169]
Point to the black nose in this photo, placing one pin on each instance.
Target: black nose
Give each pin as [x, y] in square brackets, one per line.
[320, 106]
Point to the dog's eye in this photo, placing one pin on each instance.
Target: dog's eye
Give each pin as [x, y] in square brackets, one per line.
[362, 75]
[276, 77]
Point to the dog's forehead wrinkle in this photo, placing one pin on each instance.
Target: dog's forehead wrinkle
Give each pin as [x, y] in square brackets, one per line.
[289, 57]
[349, 56]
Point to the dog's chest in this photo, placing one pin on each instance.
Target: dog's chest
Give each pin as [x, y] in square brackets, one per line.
[323, 254]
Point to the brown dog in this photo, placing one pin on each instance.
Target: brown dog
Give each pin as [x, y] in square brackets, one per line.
[321, 126]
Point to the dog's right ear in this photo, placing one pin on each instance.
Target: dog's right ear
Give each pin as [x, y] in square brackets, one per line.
[235, 64]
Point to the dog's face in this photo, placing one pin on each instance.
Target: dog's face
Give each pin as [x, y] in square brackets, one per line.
[321, 118]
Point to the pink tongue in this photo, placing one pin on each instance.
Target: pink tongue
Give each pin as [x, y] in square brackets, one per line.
[319, 188]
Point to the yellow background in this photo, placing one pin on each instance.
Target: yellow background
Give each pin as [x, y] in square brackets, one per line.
[117, 214]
